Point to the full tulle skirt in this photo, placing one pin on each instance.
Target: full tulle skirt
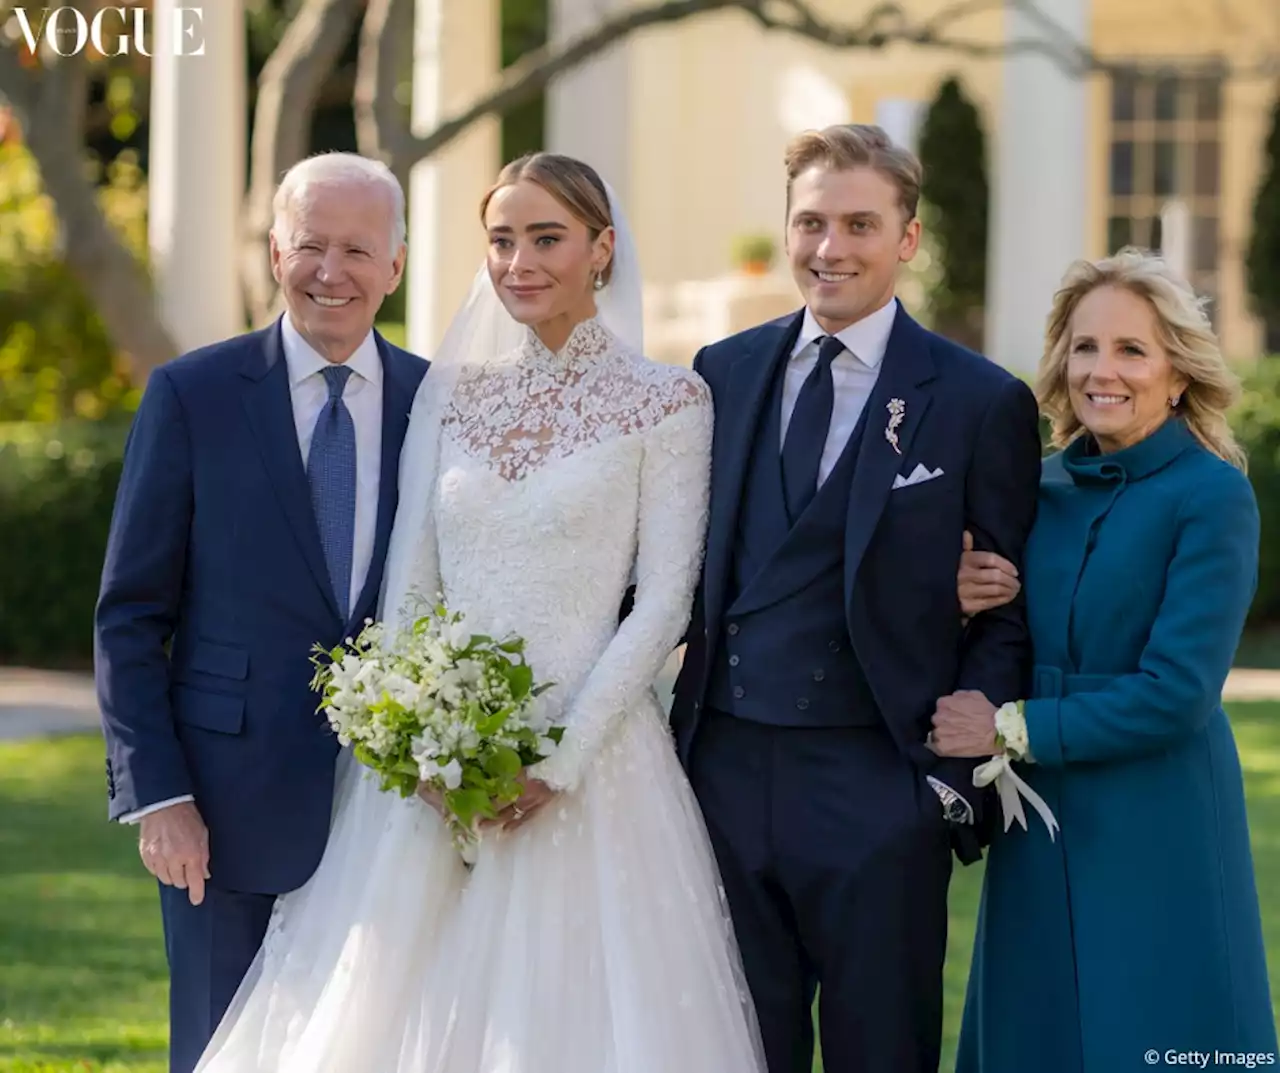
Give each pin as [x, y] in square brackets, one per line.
[594, 939]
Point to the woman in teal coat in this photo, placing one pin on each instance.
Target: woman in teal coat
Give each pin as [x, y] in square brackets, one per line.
[1130, 937]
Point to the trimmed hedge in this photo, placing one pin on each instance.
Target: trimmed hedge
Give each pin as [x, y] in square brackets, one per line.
[57, 487]
[1257, 424]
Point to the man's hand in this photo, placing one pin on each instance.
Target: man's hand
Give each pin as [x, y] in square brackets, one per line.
[985, 580]
[964, 725]
[174, 846]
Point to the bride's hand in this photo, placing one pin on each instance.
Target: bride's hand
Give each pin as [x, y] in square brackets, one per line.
[536, 794]
[432, 797]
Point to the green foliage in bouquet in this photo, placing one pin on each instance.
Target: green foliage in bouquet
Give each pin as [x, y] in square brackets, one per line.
[436, 705]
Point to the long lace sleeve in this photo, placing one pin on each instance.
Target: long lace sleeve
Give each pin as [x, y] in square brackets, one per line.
[674, 495]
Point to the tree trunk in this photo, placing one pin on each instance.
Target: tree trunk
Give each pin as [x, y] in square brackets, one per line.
[51, 105]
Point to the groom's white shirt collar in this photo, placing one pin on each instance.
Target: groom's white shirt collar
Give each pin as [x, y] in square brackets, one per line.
[866, 339]
[303, 361]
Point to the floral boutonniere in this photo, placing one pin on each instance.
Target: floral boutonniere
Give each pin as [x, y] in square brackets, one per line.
[897, 411]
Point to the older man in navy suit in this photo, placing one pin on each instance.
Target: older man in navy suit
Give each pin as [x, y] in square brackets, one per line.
[852, 451]
[251, 522]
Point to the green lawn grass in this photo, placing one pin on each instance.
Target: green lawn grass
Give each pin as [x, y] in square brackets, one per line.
[82, 970]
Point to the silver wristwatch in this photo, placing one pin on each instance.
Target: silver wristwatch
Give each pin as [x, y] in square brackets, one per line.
[954, 807]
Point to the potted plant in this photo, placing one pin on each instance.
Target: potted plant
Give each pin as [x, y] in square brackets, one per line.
[754, 254]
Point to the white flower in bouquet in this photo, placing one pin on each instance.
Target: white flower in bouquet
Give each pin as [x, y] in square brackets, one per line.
[436, 705]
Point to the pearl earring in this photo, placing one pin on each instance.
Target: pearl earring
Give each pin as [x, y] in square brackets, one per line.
[1173, 402]
[599, 283]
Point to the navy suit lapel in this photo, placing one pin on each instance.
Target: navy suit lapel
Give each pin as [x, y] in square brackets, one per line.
[908, 367]
[270, 409]
[398, 391]
[738, 414]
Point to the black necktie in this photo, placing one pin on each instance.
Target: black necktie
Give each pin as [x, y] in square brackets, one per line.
[806, 437]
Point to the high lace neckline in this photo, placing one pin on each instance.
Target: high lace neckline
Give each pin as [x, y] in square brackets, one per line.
[588, 340]
[1086, 463]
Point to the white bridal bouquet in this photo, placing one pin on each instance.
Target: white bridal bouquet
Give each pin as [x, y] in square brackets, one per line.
[435, 704]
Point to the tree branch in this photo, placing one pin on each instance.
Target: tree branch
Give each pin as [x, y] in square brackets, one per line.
[287, 91]
[386, 38]
[886, 23]
[529, 75]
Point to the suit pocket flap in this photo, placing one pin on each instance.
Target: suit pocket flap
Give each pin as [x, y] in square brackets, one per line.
[219, 712]
[224, 661]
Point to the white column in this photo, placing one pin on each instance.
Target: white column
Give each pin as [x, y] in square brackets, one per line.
[589, 108]
[197, 167]
[1175, 235]
[1039, 189]
[455, 58]
[901, 119]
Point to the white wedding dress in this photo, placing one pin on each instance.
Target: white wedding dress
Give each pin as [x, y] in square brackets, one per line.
[595, 939]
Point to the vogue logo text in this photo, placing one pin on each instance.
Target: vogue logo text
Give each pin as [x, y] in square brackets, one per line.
[114, 31]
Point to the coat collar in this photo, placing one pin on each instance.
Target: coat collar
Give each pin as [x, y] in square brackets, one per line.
[1087, 465]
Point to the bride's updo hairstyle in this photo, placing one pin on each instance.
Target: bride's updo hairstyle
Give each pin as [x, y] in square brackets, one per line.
[571, 182]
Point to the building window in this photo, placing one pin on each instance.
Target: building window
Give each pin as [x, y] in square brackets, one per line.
[1166, 144]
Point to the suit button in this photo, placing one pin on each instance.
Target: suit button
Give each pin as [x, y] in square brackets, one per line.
[834, 646]
[739, 692]
[802, 704]
[819, 675]
[733, 629]
[734, 661]
[697, 704]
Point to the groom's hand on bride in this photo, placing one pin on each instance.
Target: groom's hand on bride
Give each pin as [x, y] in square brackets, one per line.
[985, 580]
[174, 846]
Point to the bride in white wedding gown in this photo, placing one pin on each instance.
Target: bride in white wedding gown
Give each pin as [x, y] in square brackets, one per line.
[547, 465]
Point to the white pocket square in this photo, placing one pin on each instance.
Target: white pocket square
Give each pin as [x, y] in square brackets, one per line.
[919, 475]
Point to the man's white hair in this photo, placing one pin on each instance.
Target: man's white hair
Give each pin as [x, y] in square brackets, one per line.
[326, 169]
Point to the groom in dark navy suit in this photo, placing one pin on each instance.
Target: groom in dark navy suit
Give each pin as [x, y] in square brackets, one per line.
[251, 522]
[852, 451]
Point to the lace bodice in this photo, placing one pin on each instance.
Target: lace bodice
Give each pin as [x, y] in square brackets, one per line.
[561, 477]
[536, 406]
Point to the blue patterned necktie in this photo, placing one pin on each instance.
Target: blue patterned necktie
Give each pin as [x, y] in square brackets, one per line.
[806, 437]
[331, 469]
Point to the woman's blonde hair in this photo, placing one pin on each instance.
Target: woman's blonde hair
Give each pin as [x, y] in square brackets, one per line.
[1182, 328]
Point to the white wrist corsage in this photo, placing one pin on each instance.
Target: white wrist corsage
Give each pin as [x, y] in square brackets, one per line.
[1011, 731]
[1014, 745]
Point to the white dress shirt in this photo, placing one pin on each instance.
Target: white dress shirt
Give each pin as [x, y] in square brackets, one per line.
[853, 373]
[309, 392]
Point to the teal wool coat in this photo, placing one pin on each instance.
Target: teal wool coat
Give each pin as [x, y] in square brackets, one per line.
[1137, 929]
